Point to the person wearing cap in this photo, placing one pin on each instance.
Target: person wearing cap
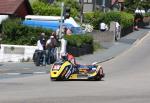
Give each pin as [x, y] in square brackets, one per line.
[51, 47]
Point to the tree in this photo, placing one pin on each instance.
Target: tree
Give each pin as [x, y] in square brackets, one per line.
[132, 5]
[43, 7]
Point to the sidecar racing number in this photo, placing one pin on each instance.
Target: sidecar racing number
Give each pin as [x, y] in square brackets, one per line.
[56, 67]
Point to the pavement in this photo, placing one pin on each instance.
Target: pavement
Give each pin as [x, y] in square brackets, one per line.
[115, 49]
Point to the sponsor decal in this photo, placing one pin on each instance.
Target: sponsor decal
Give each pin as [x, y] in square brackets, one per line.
[68, 74]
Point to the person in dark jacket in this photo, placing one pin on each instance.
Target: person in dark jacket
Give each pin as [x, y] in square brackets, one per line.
[51, 45]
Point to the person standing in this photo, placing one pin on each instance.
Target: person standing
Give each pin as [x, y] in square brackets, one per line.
[41, 43]
[103, 27]
[117, 31]
[63, 47]
[51, 45]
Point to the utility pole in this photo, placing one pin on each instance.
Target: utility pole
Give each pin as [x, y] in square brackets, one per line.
[61, 22]
[94, 4]
[103, 5]
[60, 30]
[81, 11]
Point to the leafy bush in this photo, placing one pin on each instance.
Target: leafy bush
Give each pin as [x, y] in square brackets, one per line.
[71, 3]
[94, 18]
[15, 33]
[147, 14]
[79, 40]
[0, 28]
[42, 8]
[133, 4]
[112, 16]
[126, 20]
[88, 17]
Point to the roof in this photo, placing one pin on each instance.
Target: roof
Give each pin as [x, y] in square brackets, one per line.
[9, 6]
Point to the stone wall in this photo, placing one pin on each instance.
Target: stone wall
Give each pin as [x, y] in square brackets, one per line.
[106, 36]
[16, 53]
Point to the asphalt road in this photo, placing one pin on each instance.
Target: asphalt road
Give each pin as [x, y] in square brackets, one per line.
[126, 81]
[13, 70]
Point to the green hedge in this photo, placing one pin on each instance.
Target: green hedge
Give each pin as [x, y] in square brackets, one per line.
[0, 28]
[79, 40]
[126, 20]
[15, 33]
[147, 14]
[94, 18]
[41, 8]
[71, 3]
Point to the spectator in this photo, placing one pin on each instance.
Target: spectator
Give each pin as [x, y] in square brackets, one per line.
[117, 30]
[54, 34]
[41, 47]
[103, 27]
[68, 32]
[41, 43]
[136, 20]
[51, 47]
[60, 33]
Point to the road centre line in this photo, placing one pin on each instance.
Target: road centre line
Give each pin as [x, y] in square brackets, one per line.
[12, 73]
[24, 73]
[39, 73]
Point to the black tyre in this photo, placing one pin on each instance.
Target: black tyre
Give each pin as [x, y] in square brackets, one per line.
[37, 61]
[52, 79]
[34, 56]
[97, 78]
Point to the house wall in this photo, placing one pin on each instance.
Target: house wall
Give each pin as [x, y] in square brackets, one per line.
[89, 5]
[22, 10]
[3, 17]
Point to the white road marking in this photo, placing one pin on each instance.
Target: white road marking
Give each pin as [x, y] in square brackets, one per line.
[26, 68]
[39, 72]
[139, 41]
[12, 73]
[24, 73]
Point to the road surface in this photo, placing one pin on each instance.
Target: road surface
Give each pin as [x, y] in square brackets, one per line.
[126, 81]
